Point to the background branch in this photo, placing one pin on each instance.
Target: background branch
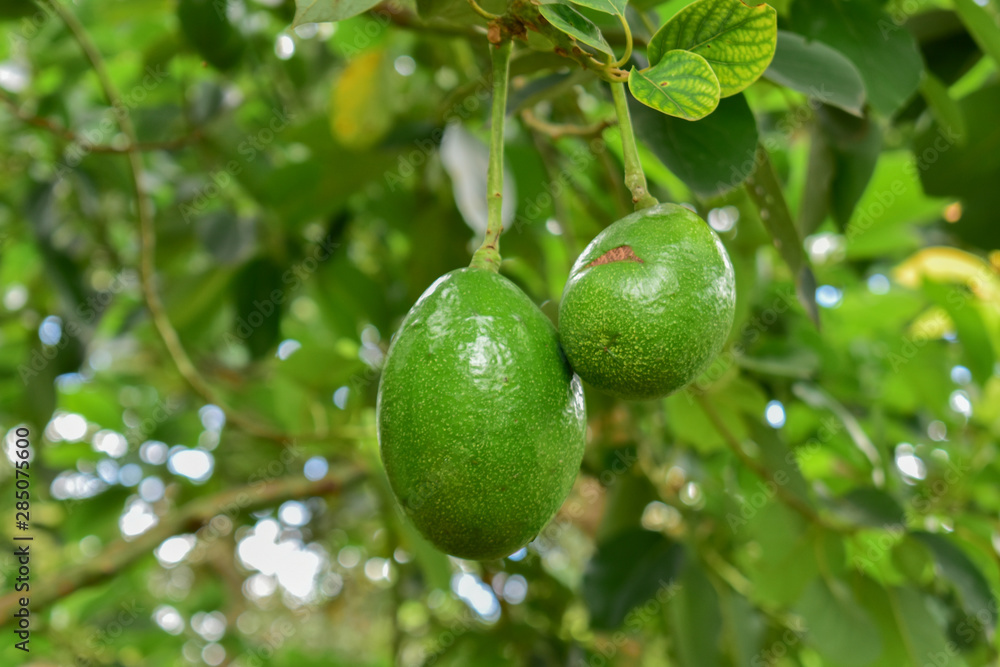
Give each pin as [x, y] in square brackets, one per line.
[71, 136]
[147, 239]
[121, 554]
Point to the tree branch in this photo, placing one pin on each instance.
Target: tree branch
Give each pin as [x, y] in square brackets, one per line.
[558, 131]
[121, 554]
[761, 470]
[147, 239]
[71, 136]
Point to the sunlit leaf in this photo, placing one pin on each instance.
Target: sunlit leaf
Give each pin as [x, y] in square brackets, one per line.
[737, 40]
[681, 84]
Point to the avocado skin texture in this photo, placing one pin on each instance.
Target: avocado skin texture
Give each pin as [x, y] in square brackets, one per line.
[481, 421]
[642, 330]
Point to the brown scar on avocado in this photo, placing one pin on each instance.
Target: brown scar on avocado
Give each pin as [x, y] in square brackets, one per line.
[622, 253]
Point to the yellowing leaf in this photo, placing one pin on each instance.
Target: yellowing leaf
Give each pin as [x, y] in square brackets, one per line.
[360, 113]
[681, 84]
[950, 265]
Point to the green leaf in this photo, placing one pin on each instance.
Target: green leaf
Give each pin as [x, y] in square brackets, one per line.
[839, 628]
[817, 70]
[815, 203]
[707, 155]
[322, 11]
[736, 39]
[884, 52]
[681, 84]
[627, 570]
[785, 562]
[696, 619]
[945, 109]
[607, 6]
[229, 238]
[982, 26]
[856, 144]
[566, 19]
[910, 635]
[977, 349]
[208, 29]
[766, 191]
[258, 321]
[743, 628]
[15, 9]
[968, 580]
[869, 507]
[970, 171]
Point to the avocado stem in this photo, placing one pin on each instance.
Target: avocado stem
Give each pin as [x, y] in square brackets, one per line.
[635, 179]
[488, 255]
[628, 44]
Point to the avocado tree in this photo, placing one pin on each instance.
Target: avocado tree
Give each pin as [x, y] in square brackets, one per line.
[476, 332]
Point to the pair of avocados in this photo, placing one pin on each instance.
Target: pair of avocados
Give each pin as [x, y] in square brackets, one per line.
[481, 419]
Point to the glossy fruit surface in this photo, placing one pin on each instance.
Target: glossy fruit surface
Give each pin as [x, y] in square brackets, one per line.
[649, 303]
[481, 421]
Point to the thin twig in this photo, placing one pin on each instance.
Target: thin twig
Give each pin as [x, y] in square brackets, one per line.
[71, 136]
[489, 16]
[147, 238]
[120, 554]
[761, 470]
[488, 255]
[558, 131]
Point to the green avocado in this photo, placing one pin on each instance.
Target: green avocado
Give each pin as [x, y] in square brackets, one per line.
[481, 421]
[648, 304]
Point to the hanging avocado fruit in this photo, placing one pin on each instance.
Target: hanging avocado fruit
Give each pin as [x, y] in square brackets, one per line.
[648, 304]
[481, 421]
